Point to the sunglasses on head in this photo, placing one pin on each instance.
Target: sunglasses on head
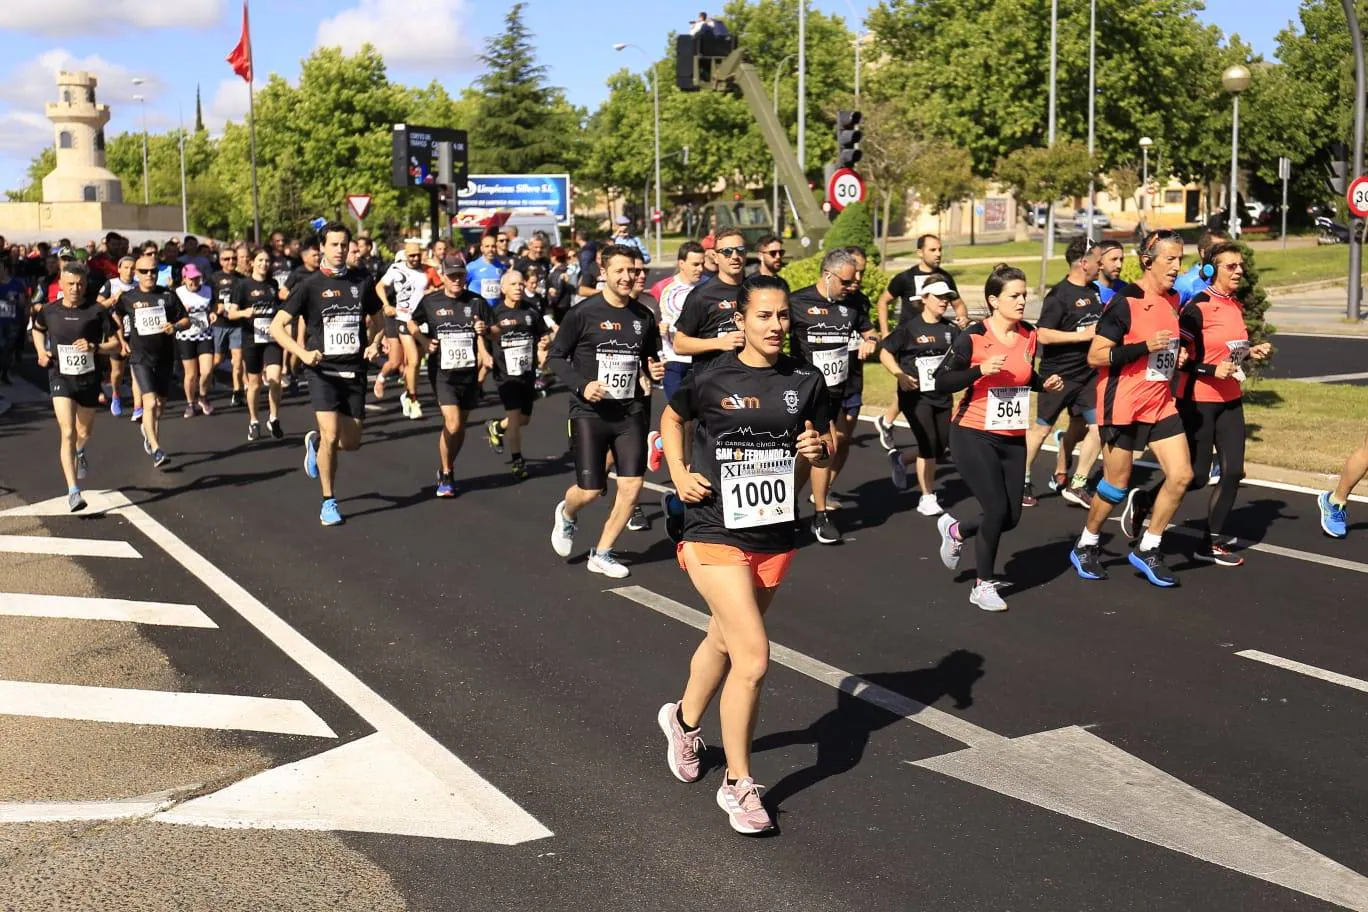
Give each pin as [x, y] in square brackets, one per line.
[732, 251]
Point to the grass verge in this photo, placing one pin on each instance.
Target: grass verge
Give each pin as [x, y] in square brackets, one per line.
[1290, 424]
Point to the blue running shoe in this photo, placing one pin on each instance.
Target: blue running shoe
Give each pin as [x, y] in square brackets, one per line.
[159, 458]
[137, 413]
[330, 515]
[1087, 560]
[116, 406]
[1215, 477]
[1334, 517]
[445, 486]
[1151, 563]
[311, 461]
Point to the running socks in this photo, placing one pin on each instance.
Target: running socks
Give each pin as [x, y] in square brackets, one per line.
[1149, 541]
[1088, 539]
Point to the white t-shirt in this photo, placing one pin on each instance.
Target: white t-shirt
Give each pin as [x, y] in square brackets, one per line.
[197, 304]
[671, 303]
[408, 285]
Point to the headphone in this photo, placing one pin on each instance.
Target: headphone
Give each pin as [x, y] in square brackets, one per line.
[1146, 252]
[1208, 270]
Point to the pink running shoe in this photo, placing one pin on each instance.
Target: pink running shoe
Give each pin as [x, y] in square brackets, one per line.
[205, 407]
[745, 812]
[655, 451]
[683, 746]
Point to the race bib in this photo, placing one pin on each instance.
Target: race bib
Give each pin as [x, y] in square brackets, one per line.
[617, 374]
[457, 350]
[199, 319]
[1007, 408]
[489, 289]
[834, 365]
[149, 320]
[1239, 350]
[261, 330]
[518, 358]
[757, 491]
[926, 367]
[1161, 363]
[7, 309]
[72, 362]
[341, 335]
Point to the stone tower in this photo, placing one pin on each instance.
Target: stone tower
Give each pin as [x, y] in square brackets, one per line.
[78, 123]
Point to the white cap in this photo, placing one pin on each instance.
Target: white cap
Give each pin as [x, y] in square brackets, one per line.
[937, 288]
[622, 220]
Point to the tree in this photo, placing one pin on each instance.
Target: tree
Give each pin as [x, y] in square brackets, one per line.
[1124, 181]
[523, 125]
[41, 166]
[944, 174]
[1043, 175]
[890, 147]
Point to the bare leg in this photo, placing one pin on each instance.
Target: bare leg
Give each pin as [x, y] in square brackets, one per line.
[1354, 469]
[452, 436]
[190, 369]
[253, 394]
[1176, 463]
[628, 489]
[151, 419]
[273, 389]
[64, 407]
[1116, 469]
[206, 374]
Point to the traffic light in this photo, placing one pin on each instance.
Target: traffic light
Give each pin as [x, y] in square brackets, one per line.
[1339, 168]
[848, 139]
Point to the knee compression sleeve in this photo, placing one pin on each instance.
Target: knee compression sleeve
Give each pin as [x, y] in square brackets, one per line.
[1110, 492]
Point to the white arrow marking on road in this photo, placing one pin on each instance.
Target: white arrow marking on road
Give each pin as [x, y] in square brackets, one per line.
[1075, 773]
[18, 604]
[67, 547]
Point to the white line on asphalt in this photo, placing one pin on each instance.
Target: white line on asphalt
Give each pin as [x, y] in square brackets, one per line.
[1307, 335]
[1332, 378]
[71, 811]
[19, 604]
[913, 711]
[1311, 671]
[67, 547]
[159, 707]
[1324, 560]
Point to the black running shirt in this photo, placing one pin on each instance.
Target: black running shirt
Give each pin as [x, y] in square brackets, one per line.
[63, 326]
[1069, 308]
[749, 420]
[335, 308]
[148, 311]
[820, 331]
[920, 347]
[222, 286]
[709, 312]
[520, 329]
[597, 341]
[262, 298]
[451, 321]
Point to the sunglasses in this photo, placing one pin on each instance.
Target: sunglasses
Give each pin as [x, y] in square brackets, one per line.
[773, 253]
[731, 251]
[848, 283]
[147, 272]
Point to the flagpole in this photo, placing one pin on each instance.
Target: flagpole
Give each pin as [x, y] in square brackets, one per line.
[256, 202]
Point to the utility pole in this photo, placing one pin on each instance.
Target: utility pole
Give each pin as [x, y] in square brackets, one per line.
[1355, 247]
[1047, 249]
[1092, 109]
[802, 85]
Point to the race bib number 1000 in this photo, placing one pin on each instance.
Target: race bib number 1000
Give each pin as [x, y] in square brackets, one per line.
[758, 491]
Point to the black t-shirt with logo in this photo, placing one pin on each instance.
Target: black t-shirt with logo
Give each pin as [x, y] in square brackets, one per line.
[820, 331]
[749, 419]
[612, 345]
[708, 312]
[222, 287]
[451, 321]
[147, 311]
[908, 284]
[63, 326]
[262, 297]
[1069, 308]
[281, 267]
[520, 329]
[335, 308]
[920, 346]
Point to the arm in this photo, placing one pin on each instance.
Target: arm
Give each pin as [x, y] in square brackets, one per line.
[905, 380]
[961, 313]
[881, 306]
[956, 372]
[562, 353]
[692, 486]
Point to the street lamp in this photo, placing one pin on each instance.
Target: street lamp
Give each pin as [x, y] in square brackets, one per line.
[1145, 143]
[1235, 80]
[655, 97]
[137, 81]
[779, 71]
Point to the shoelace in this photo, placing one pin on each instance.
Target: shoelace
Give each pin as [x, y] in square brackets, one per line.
[748, 796]
[607, 557]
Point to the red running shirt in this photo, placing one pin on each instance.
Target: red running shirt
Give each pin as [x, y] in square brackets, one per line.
[1213, 330]
[1141, 391]
[999, 403]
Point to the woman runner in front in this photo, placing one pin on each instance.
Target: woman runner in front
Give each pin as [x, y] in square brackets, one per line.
[758, 411]
[1210, 400]
[993, 360]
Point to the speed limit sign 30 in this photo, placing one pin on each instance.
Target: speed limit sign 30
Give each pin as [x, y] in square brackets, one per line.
[844, 188]
[1357, 197]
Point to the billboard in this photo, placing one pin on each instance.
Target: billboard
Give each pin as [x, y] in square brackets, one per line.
[529, 194]
[416, 154]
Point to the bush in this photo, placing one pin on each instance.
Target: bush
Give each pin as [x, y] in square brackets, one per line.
[852, 228]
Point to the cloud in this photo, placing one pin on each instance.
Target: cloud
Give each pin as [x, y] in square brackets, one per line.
[31, 84]
[228, 103]
[408, 33]
[24, 135]
[68, 17]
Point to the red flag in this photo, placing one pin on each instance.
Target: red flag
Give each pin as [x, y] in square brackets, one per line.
[241, 57]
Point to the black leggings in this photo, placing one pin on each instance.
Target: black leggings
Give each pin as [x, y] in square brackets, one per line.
[994, 468]
[1220, 425]
[930, 424]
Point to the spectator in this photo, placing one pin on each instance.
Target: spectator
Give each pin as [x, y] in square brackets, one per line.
[623, 235]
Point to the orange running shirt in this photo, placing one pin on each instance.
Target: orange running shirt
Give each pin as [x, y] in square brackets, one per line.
[1141, 391]
[1213, 331]
[1000, 403]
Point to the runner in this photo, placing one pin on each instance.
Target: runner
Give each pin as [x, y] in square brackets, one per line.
[821, 319]
[861, 349]
[402, 287]
[483, 273]
[522, 344]
[1210, 400]
[336, 306]
[195, 346]
[600, 351]
[107, 298]
[770, 251]
[1136, 350]
[67, 336]
[907, 286]
[911, 353]
[1334, 505]
[13, 316]
[255, 304]
[457, 320]
[394, 350]
[1068, 322]
[995, 361]
[758, 410]
[154, 313]
[1196, 279]
[309, 259]
[1111, 256]
[227, 334]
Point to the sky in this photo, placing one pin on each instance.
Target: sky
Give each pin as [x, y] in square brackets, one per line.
[176, 46]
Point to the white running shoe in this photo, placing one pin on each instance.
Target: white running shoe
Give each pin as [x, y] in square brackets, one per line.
[985, 595]
[928, 505]
[606, 563]
[950, 546]
[563, 532]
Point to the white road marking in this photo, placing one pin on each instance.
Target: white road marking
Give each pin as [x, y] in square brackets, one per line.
[70, 811]
[159, 707]
[1332, 378]
[67, 547]
[1325, 560]
[1073, 772]
[913, 711]
[1310, 335]
[1310, 671]
[97, 502]
[18, 604]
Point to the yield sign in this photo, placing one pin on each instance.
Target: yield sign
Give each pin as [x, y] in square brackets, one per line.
[359, 204]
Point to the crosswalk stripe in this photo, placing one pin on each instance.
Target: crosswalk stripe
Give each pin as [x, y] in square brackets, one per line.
[159, 707]
[169, 614]
[66, 547]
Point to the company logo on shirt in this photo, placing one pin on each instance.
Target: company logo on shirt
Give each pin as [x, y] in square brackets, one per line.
[736, 402]
[923, 340]
[356, 291]
[791, 401]
[842, 309]
[817, 311]
[726, 305]
[636, 327]
[331, 293]
[609, 324]
[1083, 302]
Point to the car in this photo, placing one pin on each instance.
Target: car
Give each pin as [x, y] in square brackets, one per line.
[1036, 215]
[1099, 220]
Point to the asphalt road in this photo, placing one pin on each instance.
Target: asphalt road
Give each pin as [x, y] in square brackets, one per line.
[1340, 359]
[522, 664]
